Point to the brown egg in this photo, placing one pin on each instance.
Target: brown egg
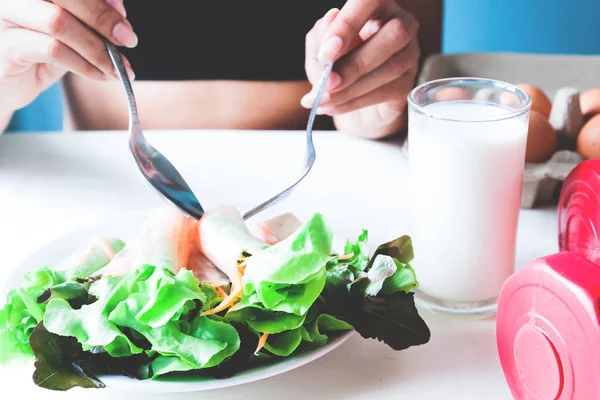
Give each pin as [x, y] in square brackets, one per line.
[452, 94]
[541, 139]
[588, 141]
[590, 103]
[539, 101]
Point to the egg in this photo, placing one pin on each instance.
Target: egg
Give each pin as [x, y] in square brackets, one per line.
[539, 100]
[452, 94]
[541, 139]
[588, 141]
[590, 103]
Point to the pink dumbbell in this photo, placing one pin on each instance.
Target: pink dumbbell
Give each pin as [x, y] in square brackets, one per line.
[579, 211]
[548, 330]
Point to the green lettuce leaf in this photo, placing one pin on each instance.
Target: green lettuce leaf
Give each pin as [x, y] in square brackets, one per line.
[66, 291]
[400, 249]
[284, 344]
[263, 320]
[290, 275]
[208, 342]
[25, 306]
[90, 324]
[61, 364]
[22, 312]
[56, 365]
[243, 358]
[377, 301]
[360, 250]
[165, 294]
[42, 278]
[164, 311]
[404, 279]
[316, 332]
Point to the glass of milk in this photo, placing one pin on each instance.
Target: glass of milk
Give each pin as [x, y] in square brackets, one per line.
[466, 150]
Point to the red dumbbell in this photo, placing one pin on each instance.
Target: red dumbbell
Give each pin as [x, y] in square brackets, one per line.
[548, 330]
[579, 211]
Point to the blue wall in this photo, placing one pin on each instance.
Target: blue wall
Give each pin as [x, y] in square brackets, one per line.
[535, 26]
[44, 114]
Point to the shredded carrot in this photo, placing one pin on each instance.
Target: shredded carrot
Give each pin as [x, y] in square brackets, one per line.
[346, 256]
[261, 343]
[220, 292]
[234, 294]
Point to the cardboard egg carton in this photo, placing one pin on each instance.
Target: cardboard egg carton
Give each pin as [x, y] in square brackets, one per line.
[561, 77]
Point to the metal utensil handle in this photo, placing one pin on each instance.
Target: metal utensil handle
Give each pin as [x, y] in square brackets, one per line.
[115, 56]
[311, 154]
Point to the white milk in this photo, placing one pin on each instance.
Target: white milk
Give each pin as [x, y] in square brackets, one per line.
[466, 190]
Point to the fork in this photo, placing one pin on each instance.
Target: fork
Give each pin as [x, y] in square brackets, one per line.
[162, 176]
[310, 148]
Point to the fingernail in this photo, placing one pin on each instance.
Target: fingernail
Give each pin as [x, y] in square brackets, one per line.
[118, 5]
[372, 27]
[330, 12]
[335, 80]
[330, 49]
[308, 100]
[125, 35]
[130, 72]
[115, 73]
[323, 110]
[326, 111]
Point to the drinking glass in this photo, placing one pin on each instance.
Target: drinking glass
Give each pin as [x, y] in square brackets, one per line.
[466, 150]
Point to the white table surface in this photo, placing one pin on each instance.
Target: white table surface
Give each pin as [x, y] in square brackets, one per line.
[51, 184]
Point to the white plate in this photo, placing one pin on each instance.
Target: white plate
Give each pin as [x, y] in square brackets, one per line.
[57, 250]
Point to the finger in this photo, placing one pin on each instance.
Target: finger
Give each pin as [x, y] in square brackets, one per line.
[405, 61]
[370, 29]
[367, 31]
[346, 27]
[393, 93]
[55, 21]
[395, 35]
[128, 68]
[313, 38]
[50, 73]
[29, 47]
[103, 18]
[119, 6]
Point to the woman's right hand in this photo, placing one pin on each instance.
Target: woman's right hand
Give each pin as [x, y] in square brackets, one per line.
[42, 40]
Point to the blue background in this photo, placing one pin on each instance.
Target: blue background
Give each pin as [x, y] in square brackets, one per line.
[532, 26]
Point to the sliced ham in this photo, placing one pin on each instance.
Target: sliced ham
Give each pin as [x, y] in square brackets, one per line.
[204, 270]
[165, 240]
[277, 229]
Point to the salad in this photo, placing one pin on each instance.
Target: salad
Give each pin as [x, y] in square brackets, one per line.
[209, 298]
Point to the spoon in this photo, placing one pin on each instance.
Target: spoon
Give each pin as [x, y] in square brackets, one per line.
[162, 176]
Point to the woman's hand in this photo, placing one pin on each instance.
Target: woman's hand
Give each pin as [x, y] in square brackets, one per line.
[41, 40]
[376, 52]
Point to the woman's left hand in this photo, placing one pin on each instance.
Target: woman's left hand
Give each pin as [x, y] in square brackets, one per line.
[376, 52]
